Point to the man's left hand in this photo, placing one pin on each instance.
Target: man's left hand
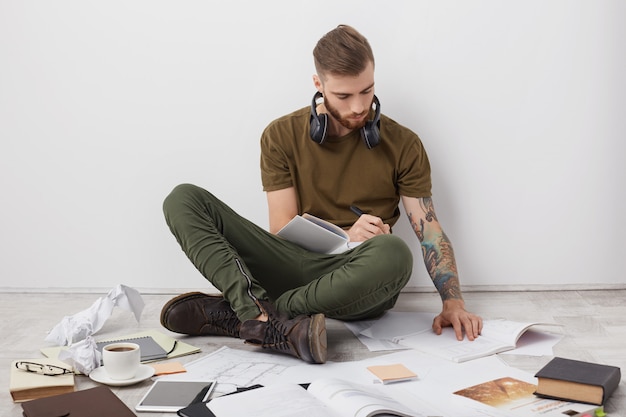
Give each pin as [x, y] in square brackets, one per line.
[454, 315]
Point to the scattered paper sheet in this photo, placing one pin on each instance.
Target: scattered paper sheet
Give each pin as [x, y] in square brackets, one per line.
[399, 323]
[85, 323]
[374, 345]
[234, 368]
[83, 356]
[75, 331]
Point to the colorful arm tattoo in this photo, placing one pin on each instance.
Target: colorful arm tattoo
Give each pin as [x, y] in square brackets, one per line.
[437, 252]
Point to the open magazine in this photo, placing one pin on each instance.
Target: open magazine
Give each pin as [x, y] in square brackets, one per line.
[316, 235]
[326, 397]
[516, 398]
[497, 336]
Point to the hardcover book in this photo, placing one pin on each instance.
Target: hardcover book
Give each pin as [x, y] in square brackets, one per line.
[579, 381]
[26, 386]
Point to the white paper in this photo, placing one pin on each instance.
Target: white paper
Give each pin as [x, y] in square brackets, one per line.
[83, 356]
[272, 401]
[85, 323]
[413, 330]
[374, 345]
[397, 323]
[536, 343]
[234, 368]
[431, 395]
[497, 336]
[75, 331]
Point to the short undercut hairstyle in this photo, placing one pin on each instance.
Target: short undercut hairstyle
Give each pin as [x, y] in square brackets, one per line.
[342, 51]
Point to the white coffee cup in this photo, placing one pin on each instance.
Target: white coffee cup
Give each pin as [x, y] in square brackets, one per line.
[121, 360]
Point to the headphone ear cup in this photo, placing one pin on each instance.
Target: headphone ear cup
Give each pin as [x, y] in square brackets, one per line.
[371, 134]
[318, 123]
[371, 131]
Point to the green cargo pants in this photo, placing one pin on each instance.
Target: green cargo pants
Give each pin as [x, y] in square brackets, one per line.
[246, 263]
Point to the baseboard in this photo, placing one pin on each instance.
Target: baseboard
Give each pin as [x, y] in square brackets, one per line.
[409, 289]
[527, 288]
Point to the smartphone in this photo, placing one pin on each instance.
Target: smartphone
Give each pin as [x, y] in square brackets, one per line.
[169, 396]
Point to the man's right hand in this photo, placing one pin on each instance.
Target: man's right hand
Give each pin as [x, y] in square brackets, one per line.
[366, 227]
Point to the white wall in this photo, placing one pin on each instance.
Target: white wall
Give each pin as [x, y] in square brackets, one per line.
[105, 106]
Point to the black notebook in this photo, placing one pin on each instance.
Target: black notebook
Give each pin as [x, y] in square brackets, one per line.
[150, 350]
[92, 402]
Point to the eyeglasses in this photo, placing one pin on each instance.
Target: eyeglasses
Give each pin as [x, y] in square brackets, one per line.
[42, 369]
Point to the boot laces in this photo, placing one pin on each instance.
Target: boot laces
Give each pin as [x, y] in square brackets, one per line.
[275, 336]
[224, 322]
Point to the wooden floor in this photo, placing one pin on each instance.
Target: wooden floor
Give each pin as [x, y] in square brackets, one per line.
[594, 330]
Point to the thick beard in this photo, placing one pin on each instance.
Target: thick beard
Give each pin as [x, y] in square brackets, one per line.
[343, 121]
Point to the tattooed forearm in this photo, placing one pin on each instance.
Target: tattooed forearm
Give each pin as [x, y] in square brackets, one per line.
[437, 252]
[429, 208]
[439, 261]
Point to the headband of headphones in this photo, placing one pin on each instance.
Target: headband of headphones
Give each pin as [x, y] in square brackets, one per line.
[370, 133]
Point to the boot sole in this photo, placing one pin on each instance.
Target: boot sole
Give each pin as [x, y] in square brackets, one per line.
[180, 298]
[317, 338]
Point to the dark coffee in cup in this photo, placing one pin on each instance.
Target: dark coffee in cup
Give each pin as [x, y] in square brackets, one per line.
[120, 349]
[121, 360]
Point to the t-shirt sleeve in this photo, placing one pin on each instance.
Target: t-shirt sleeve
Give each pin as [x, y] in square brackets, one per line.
[275, 172]
[414, 171]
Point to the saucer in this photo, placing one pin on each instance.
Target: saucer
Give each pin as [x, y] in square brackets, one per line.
[100, 375]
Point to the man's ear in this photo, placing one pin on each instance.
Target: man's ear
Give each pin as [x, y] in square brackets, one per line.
[317, 82]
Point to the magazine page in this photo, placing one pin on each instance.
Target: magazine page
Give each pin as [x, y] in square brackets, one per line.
[497, 336]
[508, 332]
[353, 400]
[516, 398]
[280, 400]
[448, 347]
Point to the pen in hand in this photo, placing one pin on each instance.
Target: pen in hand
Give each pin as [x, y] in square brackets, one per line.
[356, 210]
[379, 223]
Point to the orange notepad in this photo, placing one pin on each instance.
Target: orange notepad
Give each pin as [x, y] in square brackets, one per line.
[168, 368]
[392, 373]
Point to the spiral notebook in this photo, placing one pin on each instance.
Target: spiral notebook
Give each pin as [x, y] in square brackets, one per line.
[150, 349]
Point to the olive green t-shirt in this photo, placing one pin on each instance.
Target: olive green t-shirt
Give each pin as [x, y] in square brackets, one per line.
[328, 178]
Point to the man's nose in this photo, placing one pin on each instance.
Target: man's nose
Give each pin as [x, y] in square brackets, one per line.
[358, 106]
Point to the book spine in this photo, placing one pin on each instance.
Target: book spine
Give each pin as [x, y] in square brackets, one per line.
[611, 384]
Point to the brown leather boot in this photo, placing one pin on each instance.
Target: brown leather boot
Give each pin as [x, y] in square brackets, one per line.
[303, 336]
[200, 314]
